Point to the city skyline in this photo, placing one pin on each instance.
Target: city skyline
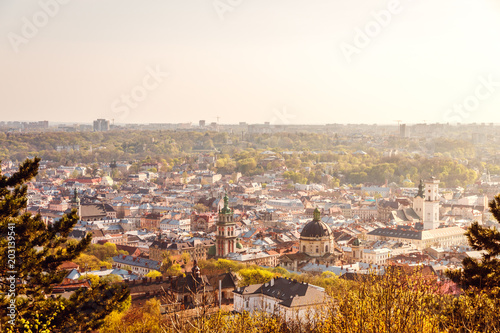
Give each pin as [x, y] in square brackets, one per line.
[317, 63]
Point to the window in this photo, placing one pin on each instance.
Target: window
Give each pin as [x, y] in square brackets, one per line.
[326, 248]
[304, 248]
[317, 249]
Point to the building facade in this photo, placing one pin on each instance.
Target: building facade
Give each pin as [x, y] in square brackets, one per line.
[291, 299]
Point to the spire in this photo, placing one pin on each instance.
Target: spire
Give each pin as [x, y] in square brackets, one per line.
[421, 187]
[226, 209]
[76, 200]
[316, 215]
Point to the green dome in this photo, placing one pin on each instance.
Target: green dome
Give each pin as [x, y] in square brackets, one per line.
[239, 246]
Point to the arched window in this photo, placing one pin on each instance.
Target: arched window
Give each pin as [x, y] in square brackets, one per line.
[326, 248]
[317, 249]
[304, 248]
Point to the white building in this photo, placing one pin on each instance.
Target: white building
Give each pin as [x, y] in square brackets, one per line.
[170, 224]
[139, 266]
[441, 237]
[289, 298]
[431, 204]
[286, 204]
[269, 258]
[376, 256]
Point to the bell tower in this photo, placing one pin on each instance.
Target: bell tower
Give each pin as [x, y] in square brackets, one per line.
[431, 204]
[225, 239]
[75, 203]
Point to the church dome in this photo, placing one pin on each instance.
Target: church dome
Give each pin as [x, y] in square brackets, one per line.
[316, 228]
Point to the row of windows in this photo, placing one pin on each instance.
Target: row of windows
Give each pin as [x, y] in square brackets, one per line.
[317, 249]
[229, 233]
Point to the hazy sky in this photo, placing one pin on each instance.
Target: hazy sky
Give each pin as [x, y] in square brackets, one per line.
[282, 61]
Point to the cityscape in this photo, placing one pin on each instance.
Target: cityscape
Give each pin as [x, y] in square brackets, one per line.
[245, 166]
[242, 217]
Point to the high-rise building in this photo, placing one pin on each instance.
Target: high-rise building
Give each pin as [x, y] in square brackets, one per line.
[202, 123]
[431, 204]
[101, 125]
[225, 238]
[403, 131]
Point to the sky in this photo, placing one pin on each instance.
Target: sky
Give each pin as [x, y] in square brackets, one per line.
[254, 61]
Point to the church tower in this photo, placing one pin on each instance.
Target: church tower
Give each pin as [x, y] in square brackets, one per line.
[418, 201]
[431, 204]
[75, 204]
[225, 239]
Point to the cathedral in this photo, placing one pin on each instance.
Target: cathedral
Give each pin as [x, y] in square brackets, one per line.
[316, 246]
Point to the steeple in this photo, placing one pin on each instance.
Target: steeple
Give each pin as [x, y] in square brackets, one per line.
[75, 203]
[316, 215]
[421, 187]
[226, 209]
[76, 200]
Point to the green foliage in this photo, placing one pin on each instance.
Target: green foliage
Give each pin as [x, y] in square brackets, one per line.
[173, 148]
[174, 270]
[146, 319]
[112, 278]
[220, 264]
[186, 258]
[474, 311]
[295, 177]
[153, 274]
[200, 208]
[394, 302]
[279, 271]
[94, 279]
[254, 275]
[482, 274]
[104, 252]
[91, 262]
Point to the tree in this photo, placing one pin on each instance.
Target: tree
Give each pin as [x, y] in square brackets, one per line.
[153, 274]
[200, 208]
[90, 262]
[185, 258]
[169, 266]
[485, 273]
[254, 275]
[104, 252]
[143, 319]
[94, 279]
[35, 251]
